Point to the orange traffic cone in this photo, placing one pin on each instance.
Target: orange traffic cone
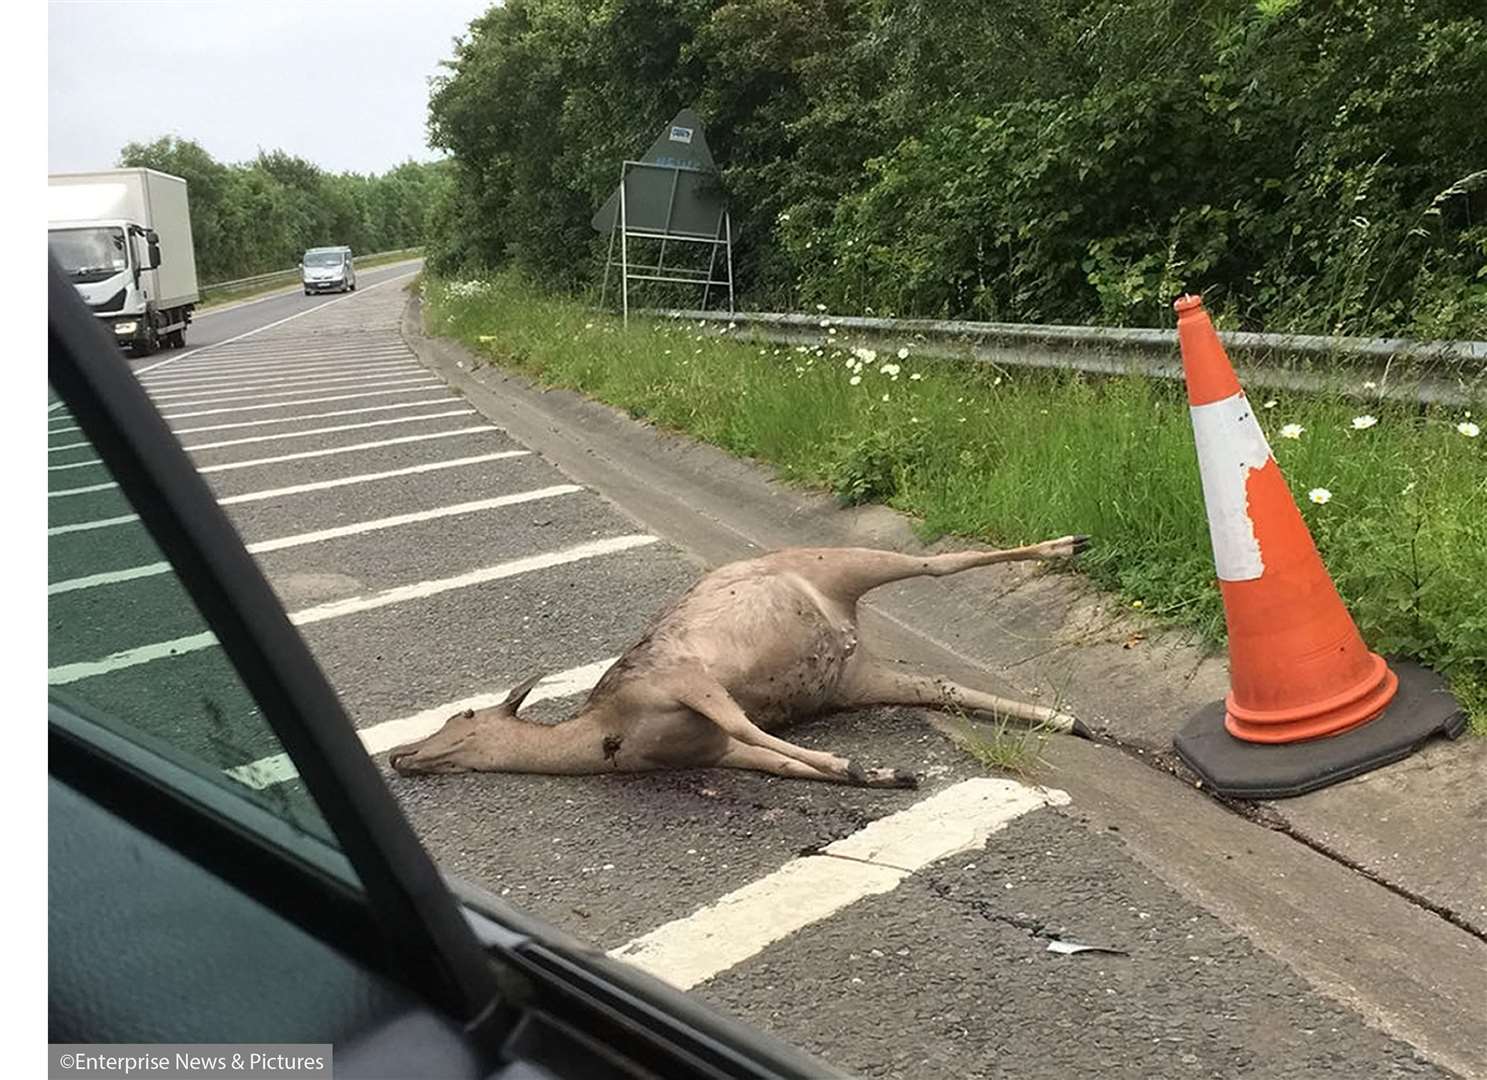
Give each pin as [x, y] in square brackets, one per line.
[1298, 668]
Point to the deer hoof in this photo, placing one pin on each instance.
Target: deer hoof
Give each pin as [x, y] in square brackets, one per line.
[880, 778]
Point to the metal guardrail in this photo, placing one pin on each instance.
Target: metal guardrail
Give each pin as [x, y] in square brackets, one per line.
[258, 279]
[1436, 372]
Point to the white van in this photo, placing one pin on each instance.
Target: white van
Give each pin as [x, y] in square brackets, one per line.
[328, 269]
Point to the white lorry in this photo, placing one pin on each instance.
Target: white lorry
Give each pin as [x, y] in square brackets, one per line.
[124, 239]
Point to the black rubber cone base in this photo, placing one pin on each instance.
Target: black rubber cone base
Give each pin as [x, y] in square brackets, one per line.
[1422, 708]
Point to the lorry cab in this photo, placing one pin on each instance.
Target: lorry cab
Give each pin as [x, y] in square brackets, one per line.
[328, 269]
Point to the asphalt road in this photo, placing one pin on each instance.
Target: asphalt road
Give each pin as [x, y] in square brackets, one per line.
[429, 558]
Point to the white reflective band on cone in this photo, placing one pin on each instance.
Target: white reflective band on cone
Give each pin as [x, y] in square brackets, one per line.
[1230, 444]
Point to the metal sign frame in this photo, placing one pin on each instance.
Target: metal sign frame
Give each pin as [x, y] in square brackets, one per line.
[721, 238]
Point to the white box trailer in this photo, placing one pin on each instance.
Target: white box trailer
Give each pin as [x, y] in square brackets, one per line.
[123, 236]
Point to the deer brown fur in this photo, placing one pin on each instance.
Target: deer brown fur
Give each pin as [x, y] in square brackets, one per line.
[749, 648]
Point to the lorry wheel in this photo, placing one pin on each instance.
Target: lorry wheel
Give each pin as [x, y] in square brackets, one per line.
[176, 339]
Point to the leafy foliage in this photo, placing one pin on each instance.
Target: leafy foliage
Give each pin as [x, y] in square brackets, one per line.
[1308, 166]
[260, 216]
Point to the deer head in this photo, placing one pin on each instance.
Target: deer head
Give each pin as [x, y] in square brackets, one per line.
[469, 741]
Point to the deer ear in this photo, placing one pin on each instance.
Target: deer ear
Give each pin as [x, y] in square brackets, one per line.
[518, 695]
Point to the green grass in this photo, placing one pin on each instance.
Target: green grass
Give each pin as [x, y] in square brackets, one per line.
[1013, 456]
[213, 297]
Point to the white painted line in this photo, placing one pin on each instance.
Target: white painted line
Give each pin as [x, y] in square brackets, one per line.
[54, 406]
[282, 435]
[331, 429]
[398, 370]
[64, 674]
[421, 382]
[692, 950]
[294, 457]
[115, 577]
[378, 738]
[354, 362]
[283, 419]
[277, 347]
[440, 400]
[269, 326]
[236, 358]
[300, 489]
[294, 403]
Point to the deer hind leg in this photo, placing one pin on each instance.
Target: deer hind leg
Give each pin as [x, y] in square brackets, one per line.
[845, 574]
[873, 682]
[709, 698]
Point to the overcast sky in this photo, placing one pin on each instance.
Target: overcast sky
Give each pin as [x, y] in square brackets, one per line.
[342, 83]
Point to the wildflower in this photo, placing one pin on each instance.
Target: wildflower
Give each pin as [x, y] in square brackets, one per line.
[1291, 431]
[1137, 604]
[588, 326]
[802, 348]
[733, 326]
[486, 338]
[885, 397]
[854, 380]
[916, 376]
[1272, 403]
[820, 307]
[889, 369]
[913, 419]
[962, 420]
[1370, 385]
[784, 217]
[1319, 495]
[832, 331]
[825, 323]
[1467, 428]
[1361, 423]
[903, 353]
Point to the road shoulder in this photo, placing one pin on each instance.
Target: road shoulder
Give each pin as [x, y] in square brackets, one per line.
[1416, 974]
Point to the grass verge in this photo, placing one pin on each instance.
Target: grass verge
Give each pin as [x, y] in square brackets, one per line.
[212, 297]
[1015, 456]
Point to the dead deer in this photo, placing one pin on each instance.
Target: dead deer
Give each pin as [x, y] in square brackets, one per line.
[750, 647]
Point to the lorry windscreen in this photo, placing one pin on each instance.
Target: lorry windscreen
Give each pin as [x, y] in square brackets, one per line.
[89, 254]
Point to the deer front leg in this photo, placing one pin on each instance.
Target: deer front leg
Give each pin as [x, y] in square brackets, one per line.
[709, 698]
[741, 755]
[870, 681]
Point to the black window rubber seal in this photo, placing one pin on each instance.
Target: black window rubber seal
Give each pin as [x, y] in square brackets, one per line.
[432, 947]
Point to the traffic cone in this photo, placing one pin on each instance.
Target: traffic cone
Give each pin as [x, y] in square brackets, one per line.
[1298, 668]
